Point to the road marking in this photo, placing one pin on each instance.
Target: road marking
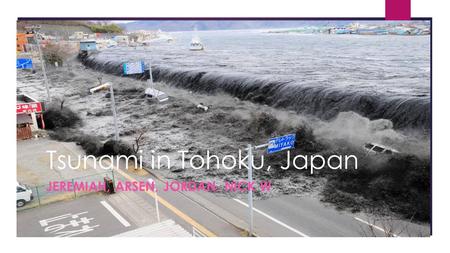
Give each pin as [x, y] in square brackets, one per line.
[115, 214]
[374, 226]
[273, 219]
[60, 230]
[172, 208]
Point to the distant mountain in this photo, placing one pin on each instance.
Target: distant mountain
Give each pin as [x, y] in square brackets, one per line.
[189, 25]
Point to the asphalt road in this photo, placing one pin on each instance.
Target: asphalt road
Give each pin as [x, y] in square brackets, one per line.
[285, 216]
[314, 218]
[290, 216]
[186, 211]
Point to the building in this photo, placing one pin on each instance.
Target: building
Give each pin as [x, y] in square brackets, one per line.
[29, 116]
[88, 45]
[78, 36]
[23, 40]
[122, 40]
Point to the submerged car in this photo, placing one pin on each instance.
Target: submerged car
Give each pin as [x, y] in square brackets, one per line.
[373, 148]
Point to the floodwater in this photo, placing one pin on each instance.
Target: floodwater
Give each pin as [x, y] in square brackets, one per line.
[379, 77]
[348, 89]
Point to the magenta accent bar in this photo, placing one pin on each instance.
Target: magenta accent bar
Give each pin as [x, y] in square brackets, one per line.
[398, 9]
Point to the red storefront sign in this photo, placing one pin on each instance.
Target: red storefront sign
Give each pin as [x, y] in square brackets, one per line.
[28, 107]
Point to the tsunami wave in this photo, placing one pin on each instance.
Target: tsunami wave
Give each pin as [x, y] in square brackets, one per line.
[319, 100]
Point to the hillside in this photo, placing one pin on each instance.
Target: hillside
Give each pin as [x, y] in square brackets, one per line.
[68, 27]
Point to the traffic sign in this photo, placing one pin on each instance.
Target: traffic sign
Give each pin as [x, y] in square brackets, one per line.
[274, 145]
[281, 143]
[24, 63]
[130, 68]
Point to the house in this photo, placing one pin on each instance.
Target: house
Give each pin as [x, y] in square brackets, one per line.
[122, 40]
[78, 36]
[88, 45]
[22, 40]
[28, 111]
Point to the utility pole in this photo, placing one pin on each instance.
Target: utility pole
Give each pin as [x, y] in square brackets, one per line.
[113, 107]
[35, 31]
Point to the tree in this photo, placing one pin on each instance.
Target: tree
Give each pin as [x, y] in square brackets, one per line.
[138, 140]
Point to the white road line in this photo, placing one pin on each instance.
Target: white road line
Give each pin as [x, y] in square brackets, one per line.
[374, 226]
[273, 219]
[115, 214]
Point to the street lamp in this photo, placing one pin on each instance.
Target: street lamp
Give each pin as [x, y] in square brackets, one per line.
[113, 104]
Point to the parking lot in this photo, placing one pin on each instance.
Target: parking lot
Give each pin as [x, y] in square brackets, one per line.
[33, 162]
[90, 216]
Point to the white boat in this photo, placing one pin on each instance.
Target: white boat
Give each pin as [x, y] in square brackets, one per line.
[196, 44]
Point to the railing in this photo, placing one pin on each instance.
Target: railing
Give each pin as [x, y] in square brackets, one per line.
[42, 195]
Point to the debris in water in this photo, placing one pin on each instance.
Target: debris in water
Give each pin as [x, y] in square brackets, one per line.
[373, 148]
[104, 86]
[203, 107]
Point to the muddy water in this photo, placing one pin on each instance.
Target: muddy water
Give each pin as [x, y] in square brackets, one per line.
[228, 125]
[169, 127]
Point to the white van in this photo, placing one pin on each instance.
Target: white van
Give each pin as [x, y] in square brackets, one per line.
[24, 195]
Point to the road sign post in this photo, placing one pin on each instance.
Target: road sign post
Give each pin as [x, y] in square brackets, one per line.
[274, 145]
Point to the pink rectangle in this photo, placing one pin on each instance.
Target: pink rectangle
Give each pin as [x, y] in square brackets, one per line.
[398, 10]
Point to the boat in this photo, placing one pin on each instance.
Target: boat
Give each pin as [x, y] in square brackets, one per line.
[196, 44]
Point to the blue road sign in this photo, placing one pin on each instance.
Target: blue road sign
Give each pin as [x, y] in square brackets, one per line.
[281, 143]
[137, 67]
[24, 63]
